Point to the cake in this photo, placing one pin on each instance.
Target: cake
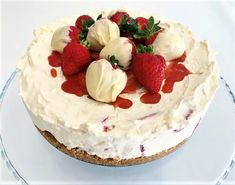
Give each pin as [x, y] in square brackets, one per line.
[117, 88]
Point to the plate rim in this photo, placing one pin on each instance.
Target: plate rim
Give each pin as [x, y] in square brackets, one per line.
[22, 181]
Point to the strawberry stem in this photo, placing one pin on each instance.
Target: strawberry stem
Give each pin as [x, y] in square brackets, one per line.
[113, 61]
[144, 49]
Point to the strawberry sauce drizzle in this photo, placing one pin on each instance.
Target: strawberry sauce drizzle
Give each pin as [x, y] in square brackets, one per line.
[122, 103]
[75, 84]
[53, 73]
[175, 72]
[132, 84]
[149, 98]
[55, 59]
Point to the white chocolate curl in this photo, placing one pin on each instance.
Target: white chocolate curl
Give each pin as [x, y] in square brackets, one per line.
[101, 33]
[60, 38]
[103, 82]
[169, 45]
[121, 48]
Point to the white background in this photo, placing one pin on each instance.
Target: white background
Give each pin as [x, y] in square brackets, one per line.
[214, 23]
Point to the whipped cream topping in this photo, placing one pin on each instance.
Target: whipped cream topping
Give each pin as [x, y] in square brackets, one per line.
[101, 33]
[60, 38]
[79, 121]
[169, 45]
[103, 82]
[121, 48]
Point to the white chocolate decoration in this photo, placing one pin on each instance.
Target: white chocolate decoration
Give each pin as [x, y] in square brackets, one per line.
[60, 38]
[169, 45]
[101, 33]
[121, 48]
[103, 82]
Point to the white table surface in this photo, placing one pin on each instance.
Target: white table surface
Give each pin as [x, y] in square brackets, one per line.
[213, 21]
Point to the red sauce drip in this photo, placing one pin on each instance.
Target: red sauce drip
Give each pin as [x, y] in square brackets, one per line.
[150, 98]
[122, 103]
[132, 84]
[53, 73]
[174, 73]
[75, 84]
[180, 59]
[55, 59]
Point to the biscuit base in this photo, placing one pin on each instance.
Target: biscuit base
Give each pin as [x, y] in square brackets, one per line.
[94, 159]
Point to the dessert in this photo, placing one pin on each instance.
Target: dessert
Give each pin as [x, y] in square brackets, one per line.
[117, 88]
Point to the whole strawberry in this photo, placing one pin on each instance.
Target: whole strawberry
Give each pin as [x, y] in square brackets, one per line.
[75, 58]
[149, 69]
[83, 22]
[118, 17]
[141, 22]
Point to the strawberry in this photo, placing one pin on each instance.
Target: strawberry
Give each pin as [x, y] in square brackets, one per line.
[133, 51]
[118, 17]
[151, 39]
[83, 22]
[149, 69]
[142, 22]
[150, 28]
[75, 58]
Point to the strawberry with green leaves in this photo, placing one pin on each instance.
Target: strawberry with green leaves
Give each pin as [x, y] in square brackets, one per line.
[141, 22]
[83, 22]
[149, 69]
[118, 17]
[149, 29]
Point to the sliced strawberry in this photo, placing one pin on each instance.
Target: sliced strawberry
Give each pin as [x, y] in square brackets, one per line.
[149, 70]
[118, 17]
[75, 58]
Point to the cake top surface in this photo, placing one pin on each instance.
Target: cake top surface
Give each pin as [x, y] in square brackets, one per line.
[44, 96]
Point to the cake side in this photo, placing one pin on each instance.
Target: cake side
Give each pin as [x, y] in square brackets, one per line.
[94, 159]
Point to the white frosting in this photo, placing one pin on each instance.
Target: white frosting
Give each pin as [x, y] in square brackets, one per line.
[101, 33]
[121, 48]
[169, 45]
[103, 82]
[60, 38]
[79, 121]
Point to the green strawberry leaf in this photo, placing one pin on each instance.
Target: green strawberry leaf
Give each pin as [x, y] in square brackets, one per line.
[86, 24]
[150, 22]
[144, 49]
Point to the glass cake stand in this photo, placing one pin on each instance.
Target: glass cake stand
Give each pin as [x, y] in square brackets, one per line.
[206, 158]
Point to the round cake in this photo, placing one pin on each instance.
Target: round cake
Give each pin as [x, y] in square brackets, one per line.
[117, 88]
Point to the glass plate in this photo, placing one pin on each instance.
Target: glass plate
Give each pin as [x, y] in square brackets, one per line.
[206, 158]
